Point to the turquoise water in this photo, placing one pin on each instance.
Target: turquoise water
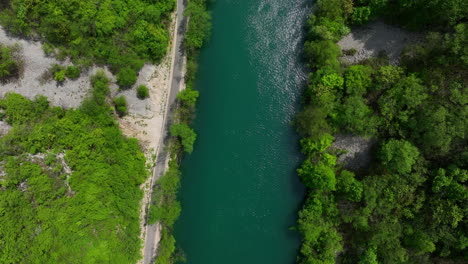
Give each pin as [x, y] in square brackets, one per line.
[240, 193]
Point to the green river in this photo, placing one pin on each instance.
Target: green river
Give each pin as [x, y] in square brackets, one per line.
[240, 194]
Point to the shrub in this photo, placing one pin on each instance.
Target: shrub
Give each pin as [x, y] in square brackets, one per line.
[72, 72]
[120, 104]
[59, 76]
[48, 49]
[188, 97]
[350, 52]
[142, 92]
[9, 65]
[126, 77]
[186, 134]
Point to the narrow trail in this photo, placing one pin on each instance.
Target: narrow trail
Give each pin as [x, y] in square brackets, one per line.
[152, 234]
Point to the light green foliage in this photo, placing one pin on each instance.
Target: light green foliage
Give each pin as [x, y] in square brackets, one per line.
[72, 72]
[188, 97]
[317, 176]
[327, 29]
[126, 77]
[114, 32]
[369, 257]
[89, 216]
[358, 79]
[186, 134]
[120, 103]
[60, 75]
[200, 25]
[142, 92]
[333, 80]
[399, 156]
[312, 145]
[166, 208]
[9, 63]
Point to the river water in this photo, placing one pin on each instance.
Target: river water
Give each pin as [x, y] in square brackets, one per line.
[240, 193]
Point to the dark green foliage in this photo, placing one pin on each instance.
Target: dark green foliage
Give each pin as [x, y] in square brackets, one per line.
[398, 156]
[114, 32]
[409, 204]
[49, 216]
[142, 92]
[72, 72]
[10, 64]
[120, 104]
[126, 77]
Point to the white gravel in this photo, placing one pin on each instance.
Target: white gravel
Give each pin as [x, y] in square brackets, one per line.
[374, 37]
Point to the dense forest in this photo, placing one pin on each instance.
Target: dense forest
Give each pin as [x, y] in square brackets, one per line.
[123, 34]
[410, 204]
[70, 188]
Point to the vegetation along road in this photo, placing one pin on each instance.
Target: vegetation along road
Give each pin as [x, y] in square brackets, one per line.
[177, 77]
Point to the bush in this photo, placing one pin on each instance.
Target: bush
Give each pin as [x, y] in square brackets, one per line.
[59, 76]
[142, 92]
[48, 49]
[126, 77]
[188, 97]
[186, 134]
[350, 52]
[9, 65]
[72, 72]
[120, 104]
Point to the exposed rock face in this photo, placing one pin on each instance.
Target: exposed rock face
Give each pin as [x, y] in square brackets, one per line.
[357, 151]
[375, 37]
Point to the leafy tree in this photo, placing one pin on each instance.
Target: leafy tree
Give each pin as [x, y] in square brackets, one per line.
[317, 176]
[188, 97]
[348, 185]
[357, 117]
[322, 53]
[199, 28]
[358, 79]
[399, 156]
[186, 134]
[369, 257]
[361, 15]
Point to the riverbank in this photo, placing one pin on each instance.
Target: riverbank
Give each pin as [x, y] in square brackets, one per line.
[378, 128]
[159, 245]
